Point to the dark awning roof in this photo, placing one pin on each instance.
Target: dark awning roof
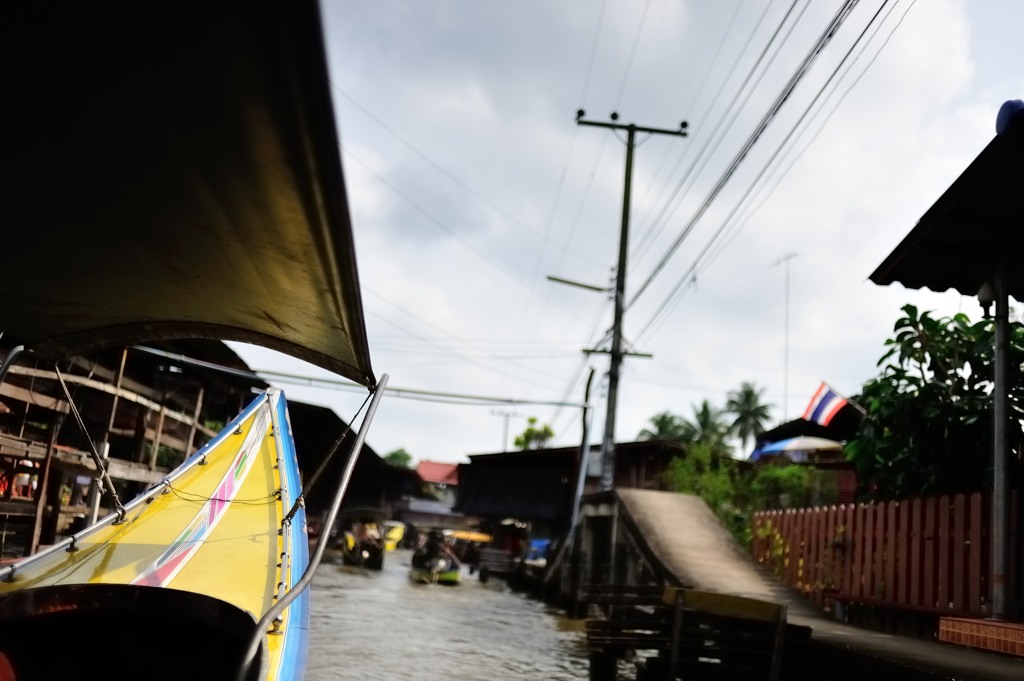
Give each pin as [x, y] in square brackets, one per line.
[173, 171]
[375, 484]
[528, 485]
[976, 221]
[843, 426]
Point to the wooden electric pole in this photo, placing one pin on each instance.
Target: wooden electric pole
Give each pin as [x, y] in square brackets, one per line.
[608, 444]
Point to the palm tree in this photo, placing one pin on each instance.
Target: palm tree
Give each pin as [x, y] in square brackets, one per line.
[750, 413]
[709, 426]
[667, 426]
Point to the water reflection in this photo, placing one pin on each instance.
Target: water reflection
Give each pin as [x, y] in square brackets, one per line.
[380, 625]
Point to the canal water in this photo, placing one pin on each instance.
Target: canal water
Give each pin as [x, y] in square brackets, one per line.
[367, 624]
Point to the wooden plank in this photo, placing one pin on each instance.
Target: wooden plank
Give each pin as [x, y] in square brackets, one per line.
[811, 564]
[632, 619]
[806, 562]
[846, 587]
[878, 570]
[111, 390]
[868, 561]
[760, 537]
[930, 565]
[647, 589]
[805, 549]
[903, 554]
[678, 622]
[726, 605]
[831, 578]
[624, 599]
[857, 587]
[915, 552]
[789, 541]
[821, 553]
[599, 628]
[630, 643]
[891, 534]
[975, 546]
[796, 547]
[959, 537]
[775, 547]
[755, 538]
[943, 593]
[739, 652]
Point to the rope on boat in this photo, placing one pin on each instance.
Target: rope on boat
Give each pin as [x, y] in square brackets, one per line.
[300, 500]
[105, 481]
[199, 498]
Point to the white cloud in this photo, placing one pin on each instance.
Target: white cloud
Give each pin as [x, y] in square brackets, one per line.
[470, 182]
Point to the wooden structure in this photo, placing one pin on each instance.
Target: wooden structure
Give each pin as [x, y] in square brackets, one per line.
[927, 556]
[145, 411]
[647, 538]
[693, 634]
[917, 566]
[971, 240]
[535, 490]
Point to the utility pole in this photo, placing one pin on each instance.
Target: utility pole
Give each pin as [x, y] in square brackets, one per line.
[504, 434]
[608, 444]
[784, 260]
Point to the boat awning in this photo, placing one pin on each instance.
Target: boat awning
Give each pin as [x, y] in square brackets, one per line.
[976, 222]
[173, 171]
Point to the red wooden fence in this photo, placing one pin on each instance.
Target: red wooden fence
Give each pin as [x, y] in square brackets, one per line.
[928, 555]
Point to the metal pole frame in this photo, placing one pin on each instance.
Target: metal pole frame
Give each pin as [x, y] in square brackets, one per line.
[1000, 534]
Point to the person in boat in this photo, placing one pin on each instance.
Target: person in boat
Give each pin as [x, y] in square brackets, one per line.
[471, 556]
[433, 549]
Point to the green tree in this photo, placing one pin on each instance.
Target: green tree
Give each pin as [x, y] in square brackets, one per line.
[772, 486]
[710, 427]
[399, 457]
[701, 473]
[749, 412]
[928, 427]
[534, 437]
[668, 426]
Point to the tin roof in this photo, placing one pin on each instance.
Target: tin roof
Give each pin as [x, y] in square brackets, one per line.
[976, 222]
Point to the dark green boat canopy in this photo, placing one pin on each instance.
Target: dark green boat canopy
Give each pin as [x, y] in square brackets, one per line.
[172, 170]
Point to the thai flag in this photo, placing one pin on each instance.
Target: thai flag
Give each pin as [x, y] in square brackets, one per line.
[825, 404]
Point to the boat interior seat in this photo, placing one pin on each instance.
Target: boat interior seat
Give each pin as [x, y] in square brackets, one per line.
[116, 631]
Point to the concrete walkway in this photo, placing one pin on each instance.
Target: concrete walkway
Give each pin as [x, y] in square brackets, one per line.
[682, 532]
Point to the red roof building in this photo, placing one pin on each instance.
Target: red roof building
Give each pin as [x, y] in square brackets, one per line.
[439, 473]
[441, 481]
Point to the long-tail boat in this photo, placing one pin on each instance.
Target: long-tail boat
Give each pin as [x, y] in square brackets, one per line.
[173, 172]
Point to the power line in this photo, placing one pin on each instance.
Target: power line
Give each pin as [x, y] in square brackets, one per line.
[652, 232]
[410, 393]
[773, 110]
[691, 272]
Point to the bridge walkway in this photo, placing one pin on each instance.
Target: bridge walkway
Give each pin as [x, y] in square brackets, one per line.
[689, 542]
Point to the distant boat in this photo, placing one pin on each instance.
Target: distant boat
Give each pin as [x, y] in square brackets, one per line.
[394, 532]
[443, 571]
[434, 563]
[364, 546]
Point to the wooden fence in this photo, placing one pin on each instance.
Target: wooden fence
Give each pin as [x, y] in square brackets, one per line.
[928, 555]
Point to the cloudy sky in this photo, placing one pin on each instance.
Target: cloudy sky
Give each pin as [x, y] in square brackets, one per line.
[471, 182]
